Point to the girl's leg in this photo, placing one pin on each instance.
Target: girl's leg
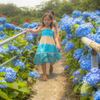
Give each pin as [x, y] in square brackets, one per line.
[51, 68]
[44, 72]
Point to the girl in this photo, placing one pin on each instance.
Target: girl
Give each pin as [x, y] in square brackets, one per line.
[47, 51]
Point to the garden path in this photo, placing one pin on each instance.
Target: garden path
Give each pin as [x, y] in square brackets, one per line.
[54, 87]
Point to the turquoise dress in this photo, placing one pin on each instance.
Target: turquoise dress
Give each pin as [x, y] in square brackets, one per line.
[47, 51]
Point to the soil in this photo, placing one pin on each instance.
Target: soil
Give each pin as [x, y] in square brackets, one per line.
[57, 87]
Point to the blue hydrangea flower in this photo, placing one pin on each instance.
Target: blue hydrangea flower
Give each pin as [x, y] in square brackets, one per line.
[97, 95]
[85, 15]
[94, 70]
[33, 74]
[85, 65]
[83, 29]
[30, 37]
[10, 75]
[18, 62]
[92, 79]
[83, 57]
[98, 31]
[97, 12]
[12, 26]
[97, 39]
[69, 46]
[93, 16]
[2, 36]
[28, 48]
[18, 29]
[78, 21]
[64, 41]
[75, 80]
[76, 14]
[1, 28]
[76, 73]
[33, 25]
[83, 94]
[2, 50]
[77, 54]
[3, 86]
[25, 25]
[2, 20]
[66, 67]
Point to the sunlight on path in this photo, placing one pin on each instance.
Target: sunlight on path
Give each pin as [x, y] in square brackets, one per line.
[53, 89]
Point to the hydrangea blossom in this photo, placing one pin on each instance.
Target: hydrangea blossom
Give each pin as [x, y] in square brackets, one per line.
[76, 73]
[64, 41]
[25, 25]
[2, 36]
[1, 28]
[30, 37]
[76, 14]
[93, 77]
[97, 95]
[33, 74]
[85, 65]
[2, 19]
[18, 62]
[75, 80]
[10, 75]
[69, 46]
[66, 67]
[2, 50]
[33, 25]
[93, 16]
[3, 86]
[78, 21]
[85, 15]
[77, 54]
[83, 29]
[97, 12]
[97, 39]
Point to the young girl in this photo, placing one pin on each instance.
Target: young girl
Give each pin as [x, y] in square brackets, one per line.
[47, 51]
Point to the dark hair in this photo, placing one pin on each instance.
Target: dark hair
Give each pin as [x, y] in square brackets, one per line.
[50, 11]
[47, 14]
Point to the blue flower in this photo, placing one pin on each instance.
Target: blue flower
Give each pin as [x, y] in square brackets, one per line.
[97, 95]
[93, 16]
[33, 74]
[75, 80]
[77, 54]
[83, 94]
[10, 75]
[18, 62]
[3, 86]
[76, 73]
[84, 57]
[85, 15]
[76, 14]
[69, 46]
[83, 29]
[2, 36]
[94, 70]
[66, 67]
[85, 65]
[18, 29]
[64, 41]
[97, 39]
[78, 21]
[2, 50]
[97, 12]
[1, 28]
[25, 25]
[30, 37]
[2, 20]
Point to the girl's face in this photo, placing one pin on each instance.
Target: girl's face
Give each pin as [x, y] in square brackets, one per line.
[47, 21]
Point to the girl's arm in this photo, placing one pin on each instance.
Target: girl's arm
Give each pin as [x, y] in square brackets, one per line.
[56, 39]
[57, 28]
[33, 31]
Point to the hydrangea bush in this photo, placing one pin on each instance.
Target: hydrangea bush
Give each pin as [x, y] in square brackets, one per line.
[78, 55]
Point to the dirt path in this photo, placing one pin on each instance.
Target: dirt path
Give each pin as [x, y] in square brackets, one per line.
[53, 89]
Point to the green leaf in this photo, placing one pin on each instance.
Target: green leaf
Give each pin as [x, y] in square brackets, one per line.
[13, 94]
[21, 84]
[2, 73]
[85, 87]
[76, 87]
[22, 57]
[85, 97]
[24, 89]
[4, 95]
[71, 77]
[1, 78]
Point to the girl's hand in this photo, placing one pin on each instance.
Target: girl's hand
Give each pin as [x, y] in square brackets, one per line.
[58, 46]
[39, 24]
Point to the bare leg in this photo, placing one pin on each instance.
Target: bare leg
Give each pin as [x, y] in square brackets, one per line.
[51, 68]
[44, 72]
